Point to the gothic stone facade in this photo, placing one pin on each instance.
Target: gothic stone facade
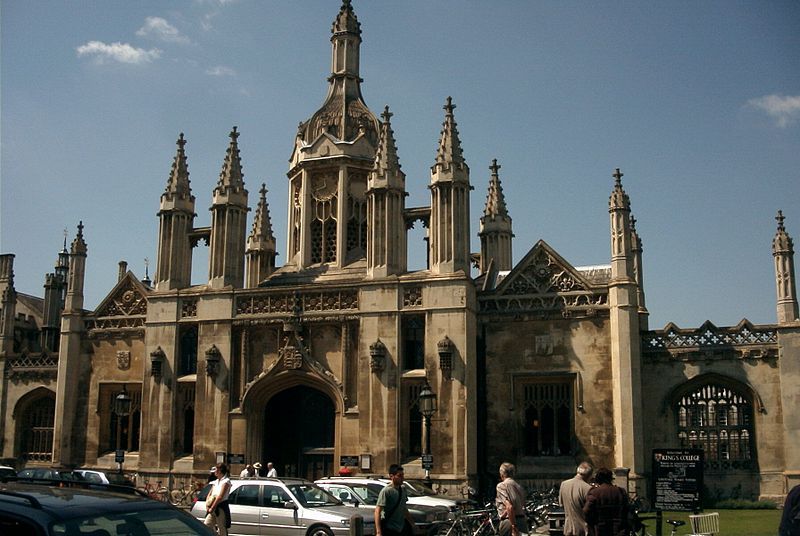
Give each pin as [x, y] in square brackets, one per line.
[322, 360]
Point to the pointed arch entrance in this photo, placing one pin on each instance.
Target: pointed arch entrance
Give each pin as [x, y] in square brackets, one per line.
[299, 432]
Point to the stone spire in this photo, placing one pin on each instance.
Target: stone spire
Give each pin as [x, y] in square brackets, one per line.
[449, 154]
[626, 357]
[346, 21]
[178, 182]
[386, 245]
[495, 227]
[449, 227]
[228, 222]
[636, 249]
[386, 172]
[260, 250]
[77, 269]
[176, 221]
[785, 282]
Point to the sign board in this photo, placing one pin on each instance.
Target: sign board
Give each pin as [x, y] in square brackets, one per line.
[427, 461]
[677, 479]
[119, 456]
[348, 461]
[235, 458]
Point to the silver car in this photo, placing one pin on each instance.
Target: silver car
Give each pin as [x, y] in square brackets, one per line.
[285, 507]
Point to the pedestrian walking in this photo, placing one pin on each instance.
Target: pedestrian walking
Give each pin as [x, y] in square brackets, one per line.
[606, 508]
[510, 502]
[218, 514]
[391, 513]
[572, 497]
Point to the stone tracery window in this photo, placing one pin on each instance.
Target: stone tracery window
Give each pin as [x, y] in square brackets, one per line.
[548, 426]
[718, 419]
[323, 218]
[357, 214]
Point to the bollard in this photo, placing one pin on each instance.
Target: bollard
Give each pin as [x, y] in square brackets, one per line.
[356, 525]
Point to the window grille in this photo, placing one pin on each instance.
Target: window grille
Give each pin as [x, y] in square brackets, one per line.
[717, 419]
[37, 437]
[548, 426]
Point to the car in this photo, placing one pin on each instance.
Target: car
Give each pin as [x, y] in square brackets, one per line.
[36, 509]
[102, 477]
[283, 507]
[43, 473]
[427, 519]
[414, 496]
[6, 471]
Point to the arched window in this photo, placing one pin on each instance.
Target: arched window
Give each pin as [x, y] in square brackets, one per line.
[720, 422]
[36, 428]
[548, 426]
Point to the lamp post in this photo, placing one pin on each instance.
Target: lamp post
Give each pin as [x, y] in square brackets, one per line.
[427, 406]
[122, 408]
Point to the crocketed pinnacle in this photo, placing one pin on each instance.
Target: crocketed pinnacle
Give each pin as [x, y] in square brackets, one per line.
[178, 182]
[387, 163]
[635, 240]
[346, 21]
[619, 199]
[782, 243]
[78, 244]
[262, 225]
[495, 200]
[231, 175]
[449, 152]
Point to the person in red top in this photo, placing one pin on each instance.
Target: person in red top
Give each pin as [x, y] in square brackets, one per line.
[606, 507]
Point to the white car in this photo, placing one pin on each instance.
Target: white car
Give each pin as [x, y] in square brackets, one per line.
[284, 507]
[414, 496]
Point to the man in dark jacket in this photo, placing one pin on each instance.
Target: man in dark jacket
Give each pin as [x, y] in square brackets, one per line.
[606, 507]
[790, 520]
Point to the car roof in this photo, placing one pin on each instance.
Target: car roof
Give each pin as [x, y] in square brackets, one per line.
[67, 503]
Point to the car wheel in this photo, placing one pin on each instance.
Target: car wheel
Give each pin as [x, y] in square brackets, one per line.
[319, 530]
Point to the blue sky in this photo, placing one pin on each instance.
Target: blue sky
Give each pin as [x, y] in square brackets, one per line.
[697, 102]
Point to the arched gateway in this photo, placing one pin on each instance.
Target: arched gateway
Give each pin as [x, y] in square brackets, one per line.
[299, 426]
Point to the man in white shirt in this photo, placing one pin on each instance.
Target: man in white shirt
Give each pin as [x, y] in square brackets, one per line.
[271, 472]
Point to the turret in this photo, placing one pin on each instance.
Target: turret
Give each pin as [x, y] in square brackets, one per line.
[626, 360]
[8, 304]
[228, 222]
[636, 249]
[333, 154]
[176, 221]
[54, 294]
[77, 270]
[785, 282]
[495, 230]
[260, 244]
[386, 193]
[449, 227]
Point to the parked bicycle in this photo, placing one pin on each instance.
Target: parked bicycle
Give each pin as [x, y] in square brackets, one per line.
[185, 495]
[157, 492]
[483, 522]
[539, 506]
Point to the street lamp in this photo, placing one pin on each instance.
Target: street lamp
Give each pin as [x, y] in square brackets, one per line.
[427, 406]
[122, 408]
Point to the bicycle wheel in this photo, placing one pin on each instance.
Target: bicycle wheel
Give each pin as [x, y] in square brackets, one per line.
[176, 497]
[162, 494]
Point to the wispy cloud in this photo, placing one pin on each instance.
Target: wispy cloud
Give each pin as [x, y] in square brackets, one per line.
[158, 28]
[119, 52]
[785, 110]
[220, 70]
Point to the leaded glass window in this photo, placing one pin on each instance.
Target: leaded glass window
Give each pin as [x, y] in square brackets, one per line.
[717, 419]
[548, 426]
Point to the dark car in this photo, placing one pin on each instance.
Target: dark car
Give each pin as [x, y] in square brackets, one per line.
[28, 509]
[42, 473]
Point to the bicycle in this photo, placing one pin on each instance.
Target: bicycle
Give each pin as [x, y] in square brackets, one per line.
[186, 495]
[157, 492]
[644, 532]
[482, 522]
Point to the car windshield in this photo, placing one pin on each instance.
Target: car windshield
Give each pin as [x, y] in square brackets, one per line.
[419, 488]
[411, 491]
[367, 494]
[164, 521]
[311, 495]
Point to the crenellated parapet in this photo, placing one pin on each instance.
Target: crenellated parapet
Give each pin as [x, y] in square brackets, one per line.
[709, 342]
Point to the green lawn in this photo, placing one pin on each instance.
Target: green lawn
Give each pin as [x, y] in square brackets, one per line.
[731, 522]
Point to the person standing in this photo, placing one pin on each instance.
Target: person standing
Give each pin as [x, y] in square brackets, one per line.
[271, 472]
[510, 502]
[572, 496]
[257, 469]
[247, 472]
[606, 508]
[790, 520]
[391, 513]
[218, 514]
